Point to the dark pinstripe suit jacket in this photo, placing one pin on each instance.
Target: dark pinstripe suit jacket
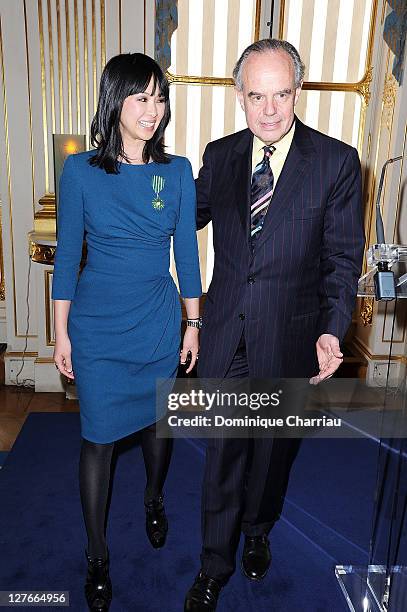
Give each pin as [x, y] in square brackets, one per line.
[301, 280]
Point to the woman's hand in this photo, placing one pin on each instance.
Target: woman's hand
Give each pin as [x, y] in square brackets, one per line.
[62, 356]
[190, 343]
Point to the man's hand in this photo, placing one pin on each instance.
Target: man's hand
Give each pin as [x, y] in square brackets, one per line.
[329, 357]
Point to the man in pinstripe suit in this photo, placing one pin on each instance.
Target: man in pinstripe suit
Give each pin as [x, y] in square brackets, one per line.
[285, 203]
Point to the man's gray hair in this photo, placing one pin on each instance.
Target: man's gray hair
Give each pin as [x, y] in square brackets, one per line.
[263, 46]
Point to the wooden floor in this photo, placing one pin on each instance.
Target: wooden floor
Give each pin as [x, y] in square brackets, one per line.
[16, 403]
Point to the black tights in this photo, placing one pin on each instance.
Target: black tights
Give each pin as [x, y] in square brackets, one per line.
[94, 480]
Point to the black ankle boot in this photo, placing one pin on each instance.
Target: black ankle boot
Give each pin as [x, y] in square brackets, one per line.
[98, 586]
[156, 522]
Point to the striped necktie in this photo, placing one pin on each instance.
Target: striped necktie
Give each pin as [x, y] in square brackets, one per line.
[261, 192]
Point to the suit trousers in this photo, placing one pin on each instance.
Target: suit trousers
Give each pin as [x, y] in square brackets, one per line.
[245, 482]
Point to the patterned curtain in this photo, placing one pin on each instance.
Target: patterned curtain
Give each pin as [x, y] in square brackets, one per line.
[166, 21]
[395, 28]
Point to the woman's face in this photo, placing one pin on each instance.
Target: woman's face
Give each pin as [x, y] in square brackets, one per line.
[141, 115]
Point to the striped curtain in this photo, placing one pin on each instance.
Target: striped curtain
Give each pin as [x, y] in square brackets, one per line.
[332, 37]
[209, 39]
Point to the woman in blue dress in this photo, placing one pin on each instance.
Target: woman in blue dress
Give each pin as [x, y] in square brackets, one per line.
[118, 325]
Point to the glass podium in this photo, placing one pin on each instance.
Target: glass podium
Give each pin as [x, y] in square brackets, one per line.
[381, 586]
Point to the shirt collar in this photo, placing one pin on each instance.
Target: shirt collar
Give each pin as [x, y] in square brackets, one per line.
[282, 146]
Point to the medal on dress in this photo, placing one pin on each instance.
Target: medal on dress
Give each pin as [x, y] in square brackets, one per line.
[157, 183]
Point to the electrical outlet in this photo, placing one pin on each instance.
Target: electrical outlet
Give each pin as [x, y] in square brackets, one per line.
[13, 367]
[382, 374]
[380, 371]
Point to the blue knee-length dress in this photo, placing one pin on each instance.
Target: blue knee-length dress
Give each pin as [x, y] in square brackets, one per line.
[125, 315]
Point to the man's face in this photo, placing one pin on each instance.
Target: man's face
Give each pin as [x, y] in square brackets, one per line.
[269, 95]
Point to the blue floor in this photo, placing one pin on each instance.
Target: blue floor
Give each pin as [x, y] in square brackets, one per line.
[327, 520]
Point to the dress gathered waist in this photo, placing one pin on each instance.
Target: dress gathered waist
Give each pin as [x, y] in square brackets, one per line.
[145, 263]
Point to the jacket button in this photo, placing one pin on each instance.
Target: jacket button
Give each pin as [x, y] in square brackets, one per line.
[241, 316]
[250, 280]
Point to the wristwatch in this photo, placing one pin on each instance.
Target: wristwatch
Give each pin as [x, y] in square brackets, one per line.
[195, 322]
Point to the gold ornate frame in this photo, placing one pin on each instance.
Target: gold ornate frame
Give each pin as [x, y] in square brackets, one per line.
[2, 283]
[48, 327]
[44, 219]
[362, 87]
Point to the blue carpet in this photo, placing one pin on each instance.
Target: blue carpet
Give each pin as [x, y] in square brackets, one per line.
[327, 520]
[3, 455]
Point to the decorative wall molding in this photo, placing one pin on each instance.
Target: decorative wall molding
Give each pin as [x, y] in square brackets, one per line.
[366, 311]
[48, 83]
[389, 100]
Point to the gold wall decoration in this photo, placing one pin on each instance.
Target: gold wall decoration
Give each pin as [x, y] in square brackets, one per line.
[29, 105]
[330, 33]
[44, 95]
[205, 47]
[198, 80]
[363, 86]
[42, 253]
[281, 19]
[2, 283]
[60, 83]
[211, 79]
[391, 331]
[77, 68]
[389, 100]
[94, 63]
[69, 84]
[68, 62]
[51, 72]
[383, 11]
[120, 26]
[382, 151]
[257, 20]
[400, 186]
[86, 63]
[362, 15]
[10, 196]
[103, 31]
[49, 318]
[366, 311]
[363, 350]
[386, 119]
[17, 354]
[190, 71]
[44, 219]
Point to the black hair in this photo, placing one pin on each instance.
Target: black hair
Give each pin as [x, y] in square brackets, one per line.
[124, 75]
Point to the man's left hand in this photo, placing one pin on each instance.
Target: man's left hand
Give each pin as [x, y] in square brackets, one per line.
[329, 357]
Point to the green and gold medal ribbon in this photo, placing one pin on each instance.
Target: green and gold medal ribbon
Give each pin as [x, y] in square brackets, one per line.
[157, 183]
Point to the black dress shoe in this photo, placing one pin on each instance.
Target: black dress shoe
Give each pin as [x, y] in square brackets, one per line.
[98, 586]
[256, 557]
[203, 595]
[156, 522]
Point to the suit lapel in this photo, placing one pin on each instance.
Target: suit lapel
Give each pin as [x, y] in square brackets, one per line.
[241, 173]
[297, 164]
